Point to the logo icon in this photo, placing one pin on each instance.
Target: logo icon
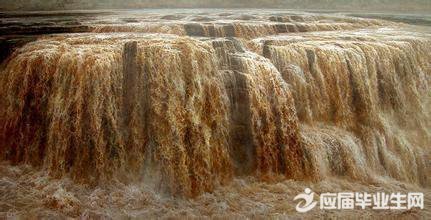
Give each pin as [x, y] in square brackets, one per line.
[306, 203]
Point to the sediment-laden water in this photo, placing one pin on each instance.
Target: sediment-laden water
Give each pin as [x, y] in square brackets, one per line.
[211, 113]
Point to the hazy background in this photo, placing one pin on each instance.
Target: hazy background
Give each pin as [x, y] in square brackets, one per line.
[368, 5]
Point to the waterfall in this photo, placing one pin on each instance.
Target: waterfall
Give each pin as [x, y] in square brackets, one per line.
[188, 106]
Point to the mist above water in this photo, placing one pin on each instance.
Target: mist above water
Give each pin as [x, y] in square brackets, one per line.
[373, 5]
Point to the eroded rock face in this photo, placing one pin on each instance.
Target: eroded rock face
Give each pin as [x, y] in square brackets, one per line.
[186, 114]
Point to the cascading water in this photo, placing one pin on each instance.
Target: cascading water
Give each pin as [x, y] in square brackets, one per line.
[210, 107]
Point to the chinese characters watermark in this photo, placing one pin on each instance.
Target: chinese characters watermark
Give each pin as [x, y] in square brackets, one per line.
[360, 200]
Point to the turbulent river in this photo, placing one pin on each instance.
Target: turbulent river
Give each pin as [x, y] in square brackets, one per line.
[210, 113]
